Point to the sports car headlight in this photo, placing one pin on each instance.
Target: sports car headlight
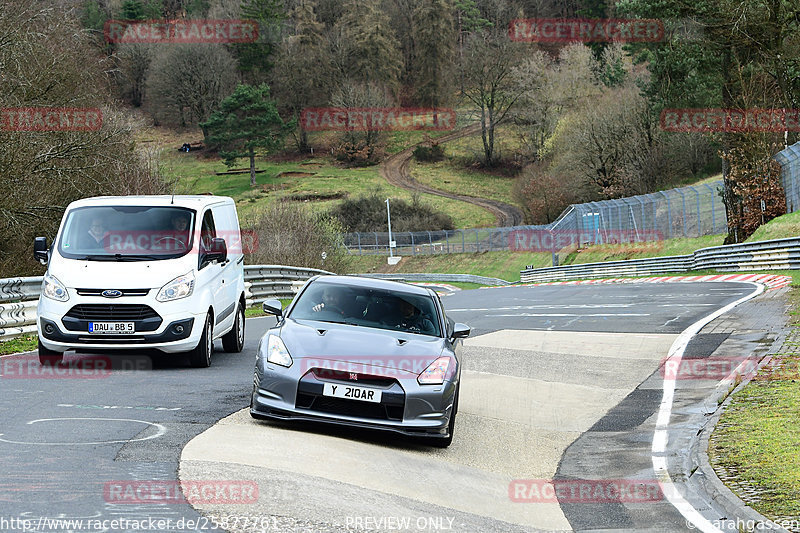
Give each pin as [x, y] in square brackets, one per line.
[54, 289]
[277, 352]
[436, 372]
[180, 287]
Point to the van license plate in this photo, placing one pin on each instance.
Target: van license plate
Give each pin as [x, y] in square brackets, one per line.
[111, 328]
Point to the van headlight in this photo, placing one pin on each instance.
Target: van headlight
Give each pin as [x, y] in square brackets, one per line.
[54, 289]
[178, 288]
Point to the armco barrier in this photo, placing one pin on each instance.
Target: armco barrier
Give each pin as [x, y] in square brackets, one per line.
[780, 254]
[463, 278]
[18, 296]
[275, 281]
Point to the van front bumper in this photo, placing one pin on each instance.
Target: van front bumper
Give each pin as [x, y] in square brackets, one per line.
[170, 340]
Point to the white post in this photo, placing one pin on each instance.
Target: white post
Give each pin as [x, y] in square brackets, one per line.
[389, 217]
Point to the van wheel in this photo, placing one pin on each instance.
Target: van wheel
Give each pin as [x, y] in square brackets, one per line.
[233, 341]
[49, 357]
[200, 357]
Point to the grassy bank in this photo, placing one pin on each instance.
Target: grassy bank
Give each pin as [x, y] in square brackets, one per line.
[754, 445]
[25, 343]
[503, 265]
[640, 250]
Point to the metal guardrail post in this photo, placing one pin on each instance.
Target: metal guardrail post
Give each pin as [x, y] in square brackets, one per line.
[712, 193]
[683, 214]
[413, 248]
[669, 214]
[699, 220]
[358, 235]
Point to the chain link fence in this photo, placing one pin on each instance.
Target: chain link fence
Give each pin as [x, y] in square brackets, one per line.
[691, 211]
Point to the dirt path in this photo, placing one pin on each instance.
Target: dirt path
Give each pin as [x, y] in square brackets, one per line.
[395, 170]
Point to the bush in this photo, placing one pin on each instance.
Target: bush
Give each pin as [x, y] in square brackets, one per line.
[429, 153]
[290, 234]
[368, 213]
[358, 154]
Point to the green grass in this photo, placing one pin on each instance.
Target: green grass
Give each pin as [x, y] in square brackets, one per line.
[197, 175]
[502, 265]
[24, 343]
[444, 176]
[755, 443]
[782, 227]
[257, 311]
[638, 250]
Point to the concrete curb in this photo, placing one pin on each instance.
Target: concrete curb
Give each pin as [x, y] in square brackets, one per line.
[701, 475]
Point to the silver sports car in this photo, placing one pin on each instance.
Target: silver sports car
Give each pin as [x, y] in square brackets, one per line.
[361, 352]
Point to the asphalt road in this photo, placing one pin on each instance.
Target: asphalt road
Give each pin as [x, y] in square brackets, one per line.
[65, 440]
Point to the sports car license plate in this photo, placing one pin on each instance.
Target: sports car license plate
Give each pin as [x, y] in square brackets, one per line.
[111, 328]
[351, 393]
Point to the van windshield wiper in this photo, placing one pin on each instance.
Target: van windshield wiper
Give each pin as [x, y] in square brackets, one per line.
[121, 257]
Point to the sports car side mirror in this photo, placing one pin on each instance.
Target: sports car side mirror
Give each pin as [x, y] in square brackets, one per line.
[460, 331]
[272, 307]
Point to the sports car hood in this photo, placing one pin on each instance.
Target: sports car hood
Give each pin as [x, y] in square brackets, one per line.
[327, 345]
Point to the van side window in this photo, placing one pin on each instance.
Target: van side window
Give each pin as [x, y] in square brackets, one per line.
[207, 230]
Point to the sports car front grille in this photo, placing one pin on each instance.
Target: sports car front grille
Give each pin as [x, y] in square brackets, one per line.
[338, 406]
[351, 378]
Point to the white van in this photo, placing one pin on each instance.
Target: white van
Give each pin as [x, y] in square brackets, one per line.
[133, 272]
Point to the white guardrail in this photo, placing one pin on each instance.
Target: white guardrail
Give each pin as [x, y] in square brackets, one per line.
[780, 254]
[18, 296]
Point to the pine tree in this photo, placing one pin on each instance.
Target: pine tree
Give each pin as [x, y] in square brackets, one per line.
[255, 59]
[246, 120]
[434, 37]
[304, 70]
[371, 46]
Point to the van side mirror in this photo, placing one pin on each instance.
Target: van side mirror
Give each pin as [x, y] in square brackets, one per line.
[460, 331]
[218, 251]
[40, 250]
[272, 307]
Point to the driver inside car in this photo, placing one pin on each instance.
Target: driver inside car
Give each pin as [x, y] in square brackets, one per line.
[411, 319]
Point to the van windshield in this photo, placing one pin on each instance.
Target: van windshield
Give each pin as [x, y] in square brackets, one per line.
[127, 233]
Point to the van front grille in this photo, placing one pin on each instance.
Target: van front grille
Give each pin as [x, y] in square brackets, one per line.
[111, 312]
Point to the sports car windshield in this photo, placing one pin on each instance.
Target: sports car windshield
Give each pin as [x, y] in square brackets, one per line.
[374, 308]
[127, 233]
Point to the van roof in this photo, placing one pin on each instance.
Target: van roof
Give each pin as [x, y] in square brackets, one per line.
[193, 201]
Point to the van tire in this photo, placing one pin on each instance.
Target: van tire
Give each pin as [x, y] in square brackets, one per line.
[200, 357]
[233, 341]
[49, 357]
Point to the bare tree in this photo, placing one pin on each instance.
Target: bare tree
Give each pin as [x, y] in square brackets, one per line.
[490, 59]
[550, 88]
[187, 82]
[47, 61]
